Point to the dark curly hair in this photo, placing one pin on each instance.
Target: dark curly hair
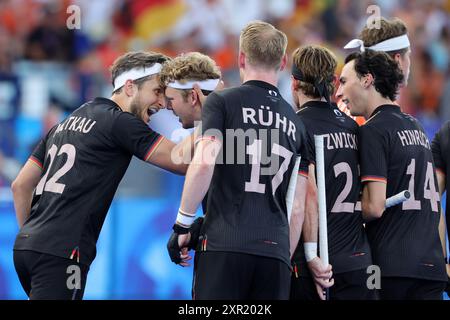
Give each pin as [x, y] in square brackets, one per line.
[386, 72]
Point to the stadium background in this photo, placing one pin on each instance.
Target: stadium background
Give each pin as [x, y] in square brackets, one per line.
[48, 70]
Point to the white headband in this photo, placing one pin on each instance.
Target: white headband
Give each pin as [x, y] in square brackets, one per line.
[135, 74]
[209, 84]
[392, 44]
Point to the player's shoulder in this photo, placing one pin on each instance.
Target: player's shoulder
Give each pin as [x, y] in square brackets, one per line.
[227, 92]
[375, 124]
[445, 128]
[104, 105]
[411, 122]
[326, 115]
[101, 110]
[233, 95]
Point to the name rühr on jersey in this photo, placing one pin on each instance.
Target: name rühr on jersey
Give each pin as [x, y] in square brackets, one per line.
[340, 140]
[413, 137]
[265, 117]
[78, 124]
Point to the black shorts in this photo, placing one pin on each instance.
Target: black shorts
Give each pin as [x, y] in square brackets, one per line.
[350, 285]
[399, 288]
[48, 277]
[239, 276]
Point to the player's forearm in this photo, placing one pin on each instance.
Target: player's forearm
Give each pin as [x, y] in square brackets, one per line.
[23, 188]
[198, 179]
[373, 200]
[199, 175]
[185, 149]
[295, 231]
[23, 197]
[298, 214]
[311, 223]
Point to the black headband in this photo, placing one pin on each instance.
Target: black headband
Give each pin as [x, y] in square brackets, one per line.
[321, 87]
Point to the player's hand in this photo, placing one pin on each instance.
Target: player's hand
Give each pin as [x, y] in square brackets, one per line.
[220, 85]
[319, 270]
[322, 276]
[178, 250]
[321, 291]
[194, 230]
[201, 96]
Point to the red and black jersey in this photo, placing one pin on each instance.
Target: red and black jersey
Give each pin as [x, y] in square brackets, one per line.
[395, 150]
[261, 139]
[83, 159]
[348, 247]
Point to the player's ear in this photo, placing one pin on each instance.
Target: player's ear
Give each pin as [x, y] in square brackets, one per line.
[283, 62]
[367, 80]
[398, 58]
[128, 87]
[199, 95]
[241, 60]
[294, 84]
[195, 97]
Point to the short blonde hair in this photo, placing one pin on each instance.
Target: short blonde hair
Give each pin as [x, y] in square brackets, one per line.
[317, 64]
[263, 45]
[189, 66]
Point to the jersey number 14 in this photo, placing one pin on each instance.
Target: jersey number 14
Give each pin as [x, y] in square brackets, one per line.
[429, 188]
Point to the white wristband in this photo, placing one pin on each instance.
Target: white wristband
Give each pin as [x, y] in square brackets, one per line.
[310, 250]
[185, 219]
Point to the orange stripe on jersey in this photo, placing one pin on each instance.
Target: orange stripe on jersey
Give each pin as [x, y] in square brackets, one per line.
[36, 162]
[343, 107]
[373, 178]
[441, 171]
[303, 173]
[153, 147]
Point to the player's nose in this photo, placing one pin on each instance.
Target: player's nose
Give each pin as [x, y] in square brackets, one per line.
[162, 101]
[339, 92]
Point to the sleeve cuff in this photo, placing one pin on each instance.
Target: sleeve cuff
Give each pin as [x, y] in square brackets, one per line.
[373, 178]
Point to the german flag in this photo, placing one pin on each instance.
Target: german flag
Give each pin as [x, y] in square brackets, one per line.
[155, 17]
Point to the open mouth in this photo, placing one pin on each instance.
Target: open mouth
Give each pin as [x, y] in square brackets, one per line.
[151, 111]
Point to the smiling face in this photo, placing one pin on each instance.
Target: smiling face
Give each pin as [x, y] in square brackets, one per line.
[351, 90]
[148, 99]
[181, 106]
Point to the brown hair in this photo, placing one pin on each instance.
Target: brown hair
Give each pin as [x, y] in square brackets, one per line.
[133, 60]
[388, 29]
[263, 45]
[317, 64]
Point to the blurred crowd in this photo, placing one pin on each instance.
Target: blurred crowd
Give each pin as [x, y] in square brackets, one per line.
[48, 69]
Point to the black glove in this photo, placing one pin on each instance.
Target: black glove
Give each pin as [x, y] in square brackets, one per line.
[172, 245]
[194, 230]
